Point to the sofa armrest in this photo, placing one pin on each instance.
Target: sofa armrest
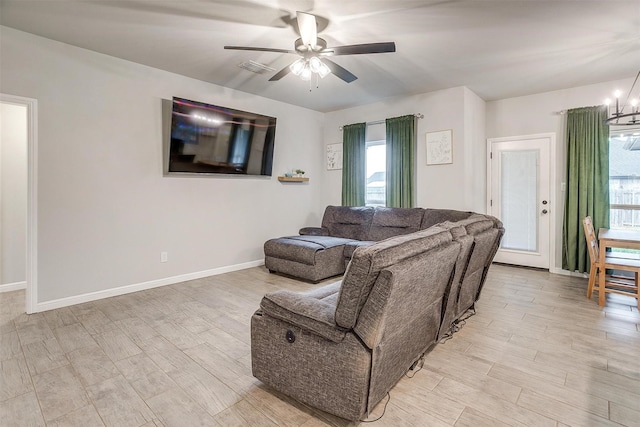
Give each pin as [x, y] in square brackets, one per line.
[314, 231]
[305, 312]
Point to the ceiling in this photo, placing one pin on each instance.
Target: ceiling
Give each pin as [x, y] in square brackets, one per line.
[498, 49]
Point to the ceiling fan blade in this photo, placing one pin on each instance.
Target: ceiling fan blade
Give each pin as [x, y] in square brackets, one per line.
[260, 49]
[280, 74]
[308, 28]
[357, 49]
[339, 71]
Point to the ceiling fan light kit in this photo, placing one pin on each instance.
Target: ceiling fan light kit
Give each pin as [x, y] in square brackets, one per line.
[313, 51]
[304, 68]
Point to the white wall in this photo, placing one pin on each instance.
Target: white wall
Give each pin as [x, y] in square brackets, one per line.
[540, 113]
[459, 185]
[475, 149]
[13, 193]
[105, 212]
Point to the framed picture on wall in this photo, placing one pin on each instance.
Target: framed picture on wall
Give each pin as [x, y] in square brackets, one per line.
[334, 156]
[440, 147]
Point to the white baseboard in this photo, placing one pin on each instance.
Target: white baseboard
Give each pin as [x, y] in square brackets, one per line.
[13, 286]
[107, 293]
[563, 272]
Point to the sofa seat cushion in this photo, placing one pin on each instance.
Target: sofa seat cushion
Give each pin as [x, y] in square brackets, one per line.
[313, 311]
[302, 249]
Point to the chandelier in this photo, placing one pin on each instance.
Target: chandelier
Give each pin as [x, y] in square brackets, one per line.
[619, 117]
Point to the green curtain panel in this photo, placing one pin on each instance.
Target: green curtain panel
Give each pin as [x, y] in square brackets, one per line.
[401, 147]
[587, 182]
[354, 154]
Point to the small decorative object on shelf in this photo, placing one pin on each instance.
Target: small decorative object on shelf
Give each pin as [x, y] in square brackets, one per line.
[295, 175]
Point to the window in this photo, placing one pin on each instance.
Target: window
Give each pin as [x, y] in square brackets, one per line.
[624, 178]
[375, 194]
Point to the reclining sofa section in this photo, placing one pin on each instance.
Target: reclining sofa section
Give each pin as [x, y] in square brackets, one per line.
[342, 347]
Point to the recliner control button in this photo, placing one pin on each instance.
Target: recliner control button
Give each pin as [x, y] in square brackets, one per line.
[291, 338]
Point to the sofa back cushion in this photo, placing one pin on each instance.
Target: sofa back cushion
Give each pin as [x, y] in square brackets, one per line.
[406, 292]
[486, 232]
[391, 222]
[481, 258]
[367, 262]
[348, 222]
[436, 216]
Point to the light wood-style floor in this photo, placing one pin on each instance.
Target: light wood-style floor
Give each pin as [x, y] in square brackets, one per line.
[538, 353]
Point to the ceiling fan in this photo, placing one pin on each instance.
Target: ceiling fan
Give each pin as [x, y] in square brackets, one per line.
[313, 52]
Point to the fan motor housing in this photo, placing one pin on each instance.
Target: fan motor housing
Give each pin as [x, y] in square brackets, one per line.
[321, 44]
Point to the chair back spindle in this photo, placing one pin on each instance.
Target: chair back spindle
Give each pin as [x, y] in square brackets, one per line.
[592, 241]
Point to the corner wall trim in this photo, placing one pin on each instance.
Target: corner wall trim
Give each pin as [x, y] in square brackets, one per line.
[127, 289]
[8, 287]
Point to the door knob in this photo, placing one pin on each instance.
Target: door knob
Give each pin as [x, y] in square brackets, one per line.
[544, 211]
[544, 202]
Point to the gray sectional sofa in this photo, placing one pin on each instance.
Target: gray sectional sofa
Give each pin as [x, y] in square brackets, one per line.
[343, 346]
[322, 252]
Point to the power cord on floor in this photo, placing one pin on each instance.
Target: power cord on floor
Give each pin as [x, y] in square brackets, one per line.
[470, 312]
[457, 325]
[383, 411]
[413, 368]
[446, 337]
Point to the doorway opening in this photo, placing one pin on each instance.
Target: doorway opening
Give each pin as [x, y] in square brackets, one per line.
[19, 159]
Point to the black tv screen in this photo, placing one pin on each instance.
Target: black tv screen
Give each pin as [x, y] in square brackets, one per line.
[209, 139]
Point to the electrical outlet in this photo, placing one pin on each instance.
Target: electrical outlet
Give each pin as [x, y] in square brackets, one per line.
[164, 257]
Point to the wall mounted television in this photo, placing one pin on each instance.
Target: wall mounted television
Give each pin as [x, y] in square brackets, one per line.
[209, 139]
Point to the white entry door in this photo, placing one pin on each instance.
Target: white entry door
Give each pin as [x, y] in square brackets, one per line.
[519, 195]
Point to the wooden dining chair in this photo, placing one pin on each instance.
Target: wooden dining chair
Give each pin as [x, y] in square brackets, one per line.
[613, 283]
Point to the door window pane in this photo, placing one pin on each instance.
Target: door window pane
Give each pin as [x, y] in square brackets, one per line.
[519, 204]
